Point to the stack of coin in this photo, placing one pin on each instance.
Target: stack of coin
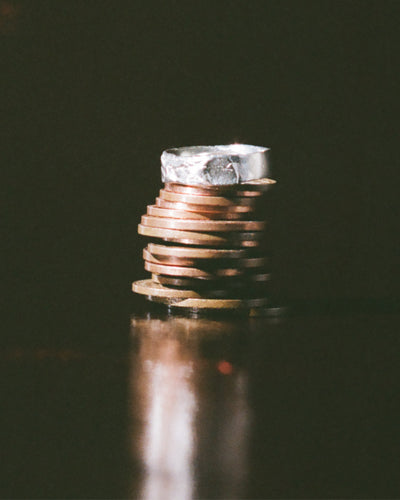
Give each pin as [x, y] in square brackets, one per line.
[207, 246]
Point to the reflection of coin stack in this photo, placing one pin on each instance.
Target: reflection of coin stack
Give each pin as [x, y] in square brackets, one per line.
[212, 254]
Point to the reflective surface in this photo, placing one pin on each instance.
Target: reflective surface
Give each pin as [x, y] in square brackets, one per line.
[300, 407]
[214, 165]
[189, 393]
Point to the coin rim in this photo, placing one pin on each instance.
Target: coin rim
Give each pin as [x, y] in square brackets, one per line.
[173, 260]
[203, 225]
[229, 281]
[245, 238]
[172, 213]
[232, 190]
[204, 209]
[208, 253]
[218, 201]
[193, 272]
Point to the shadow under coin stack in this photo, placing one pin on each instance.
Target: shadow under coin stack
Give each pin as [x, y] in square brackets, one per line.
[210, 249]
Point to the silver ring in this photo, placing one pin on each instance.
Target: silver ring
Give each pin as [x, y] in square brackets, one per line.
[214, 165]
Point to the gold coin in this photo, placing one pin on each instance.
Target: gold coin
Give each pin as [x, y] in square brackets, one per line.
[203, 225]
[219, 201]
[174, 260]
[171, 213]
[243, 239]
[205, 209]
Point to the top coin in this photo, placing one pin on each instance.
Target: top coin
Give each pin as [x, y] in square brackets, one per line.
[214, 165]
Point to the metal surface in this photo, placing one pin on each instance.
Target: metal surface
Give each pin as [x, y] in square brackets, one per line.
[258, 185]
[231, 283]
[205, 209]
[242, 239]
[203, 225]
[218, 201]
[192, 272]
[196, 303]
[153, 289]
[213, 190]
[172, 213]
[197, 253]
[214, 165]
[174, 260]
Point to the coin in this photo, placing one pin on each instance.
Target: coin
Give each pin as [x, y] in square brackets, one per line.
[172, 259]
[197, 303]
[263, 184]
[205, 209]
[197, 253]
[219, 201]
[237, 243]
[223, 283]
[192, 272]
[230, 190]
[203, 225]
[244, 239]
[156, 211]
[258, 185]
[152, 288]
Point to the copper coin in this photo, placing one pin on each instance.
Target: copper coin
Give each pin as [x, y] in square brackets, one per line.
[196, 303]
[235, 190]
[151, 289]
[232, 282]
[218, 201]
[244, 239]
[203, 225]
[171, 213]
[263, 184]
[191, 272]
[173, 260]
[196, 253]
[256, 184]
[205, 209]
[235, 244]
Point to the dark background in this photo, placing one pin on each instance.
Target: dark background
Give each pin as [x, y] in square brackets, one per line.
[92, 92]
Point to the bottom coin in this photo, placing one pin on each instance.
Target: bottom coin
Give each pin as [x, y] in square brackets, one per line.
[202, 303]
[193, 299]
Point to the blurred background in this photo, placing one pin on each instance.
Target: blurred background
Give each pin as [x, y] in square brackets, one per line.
[92, 92]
